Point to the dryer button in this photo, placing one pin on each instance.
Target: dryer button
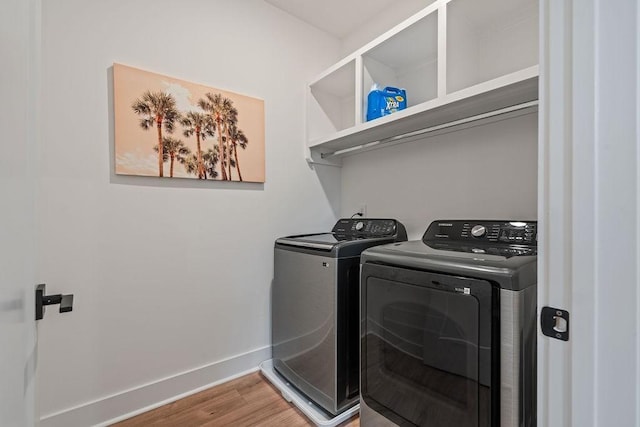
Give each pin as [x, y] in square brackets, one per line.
[478, 230]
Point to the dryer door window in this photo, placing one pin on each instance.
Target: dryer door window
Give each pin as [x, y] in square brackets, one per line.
[426, 347]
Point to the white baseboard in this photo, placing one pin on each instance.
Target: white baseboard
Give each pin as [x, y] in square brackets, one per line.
[126, 404]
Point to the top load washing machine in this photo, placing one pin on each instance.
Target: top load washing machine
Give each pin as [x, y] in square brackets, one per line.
[315, 308]
[448, 335]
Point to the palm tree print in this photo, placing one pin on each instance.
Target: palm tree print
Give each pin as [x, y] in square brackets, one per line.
[215, 125]
[173, 149]
[237, 137]
[191, 164]
[211, 158]
[157, 108]
[222, 112]
[202, 126]
[218, 120]
[228, 162]
[231, 121]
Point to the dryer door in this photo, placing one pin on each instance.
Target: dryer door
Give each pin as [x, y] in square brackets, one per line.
[426, 347]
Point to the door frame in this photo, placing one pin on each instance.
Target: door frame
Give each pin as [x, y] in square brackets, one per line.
[19, 85]
[588, 206]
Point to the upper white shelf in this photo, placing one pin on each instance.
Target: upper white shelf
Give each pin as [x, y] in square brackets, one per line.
[457, 59]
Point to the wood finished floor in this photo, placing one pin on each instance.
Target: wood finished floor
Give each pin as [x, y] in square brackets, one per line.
[247, 401]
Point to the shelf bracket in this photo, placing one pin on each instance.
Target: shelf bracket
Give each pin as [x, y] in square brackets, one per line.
[312, 162]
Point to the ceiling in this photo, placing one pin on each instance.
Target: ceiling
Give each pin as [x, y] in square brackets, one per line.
[336, 17]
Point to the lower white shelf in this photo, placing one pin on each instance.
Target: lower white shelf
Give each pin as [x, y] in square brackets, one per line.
[501, 95]
[310, 409]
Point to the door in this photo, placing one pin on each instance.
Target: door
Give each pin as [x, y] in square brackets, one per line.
[589, 211]
[17, 212]
[426, 354]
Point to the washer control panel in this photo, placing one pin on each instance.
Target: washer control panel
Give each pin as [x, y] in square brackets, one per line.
[366, 227]
[482, 231]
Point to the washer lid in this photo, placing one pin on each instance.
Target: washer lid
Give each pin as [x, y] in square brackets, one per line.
[322, 241]
[331, 244]
[349, 236]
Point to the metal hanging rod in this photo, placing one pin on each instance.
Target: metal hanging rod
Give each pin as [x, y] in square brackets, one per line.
[406, 137]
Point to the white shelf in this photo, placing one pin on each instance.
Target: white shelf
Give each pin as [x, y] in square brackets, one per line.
[332, 100]
[488, 39]
[457, 59]
[401, 62]
[515, 89]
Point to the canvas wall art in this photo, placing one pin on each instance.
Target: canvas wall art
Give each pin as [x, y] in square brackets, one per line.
[171, 128]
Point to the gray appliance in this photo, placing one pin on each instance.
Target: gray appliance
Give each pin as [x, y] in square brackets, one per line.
[448, 335]
[315, 308]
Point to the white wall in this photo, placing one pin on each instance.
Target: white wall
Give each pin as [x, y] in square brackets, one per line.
[168, 276]
[484, 172]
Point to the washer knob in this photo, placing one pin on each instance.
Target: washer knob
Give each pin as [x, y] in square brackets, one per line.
[478, 230]
[359, 225]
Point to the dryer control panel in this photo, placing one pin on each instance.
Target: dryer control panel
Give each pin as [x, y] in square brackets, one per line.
[369, 228]
[483, 231]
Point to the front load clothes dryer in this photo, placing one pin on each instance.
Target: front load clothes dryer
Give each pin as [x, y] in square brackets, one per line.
[448, 327]
[315, 308]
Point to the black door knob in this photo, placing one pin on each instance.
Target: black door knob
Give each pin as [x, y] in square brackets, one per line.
[42, 300]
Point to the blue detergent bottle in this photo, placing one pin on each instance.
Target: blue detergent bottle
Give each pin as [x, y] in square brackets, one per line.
[382, 102]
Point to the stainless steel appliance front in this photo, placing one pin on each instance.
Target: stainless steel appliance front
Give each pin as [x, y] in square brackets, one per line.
[517, 364]
[310, 347]
[448, 333]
